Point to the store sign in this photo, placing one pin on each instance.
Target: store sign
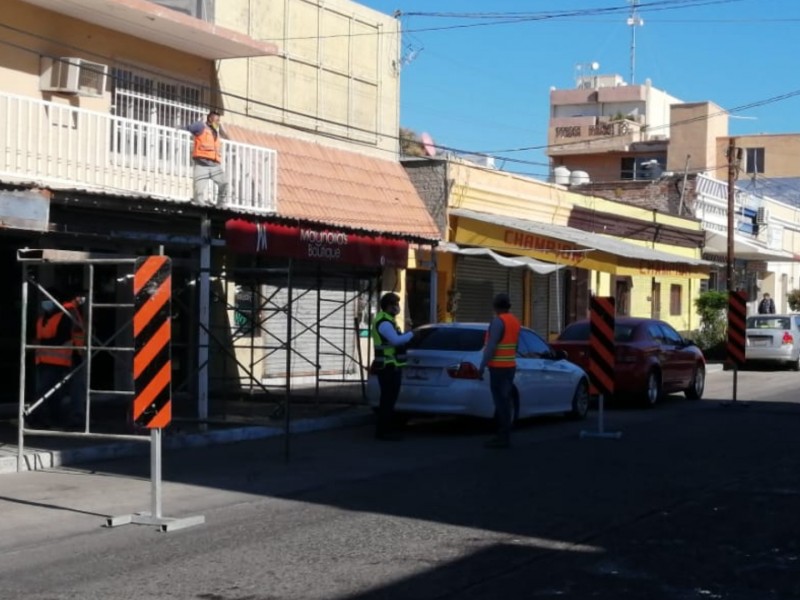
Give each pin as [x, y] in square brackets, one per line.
[566, 252]
[327, 245]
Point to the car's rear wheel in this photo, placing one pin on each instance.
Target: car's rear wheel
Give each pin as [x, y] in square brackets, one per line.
[580, 401]
[698, 385]
[652, 393]
[795, 366]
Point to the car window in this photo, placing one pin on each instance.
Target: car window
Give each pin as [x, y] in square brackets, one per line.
[797, 322]
[768, 322]
[531, 345]
[655, 332]
[670, 335]
[447, 338]
[579, 332]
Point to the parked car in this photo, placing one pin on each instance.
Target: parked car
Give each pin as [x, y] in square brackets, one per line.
[441, 376]
[651, 359]
[773, 339]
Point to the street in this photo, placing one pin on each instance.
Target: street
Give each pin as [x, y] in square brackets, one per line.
[695, 500]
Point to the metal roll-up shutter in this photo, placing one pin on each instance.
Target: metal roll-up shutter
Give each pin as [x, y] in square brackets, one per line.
[478, 279]
[557, 303]
[336, 330]
[540, 297]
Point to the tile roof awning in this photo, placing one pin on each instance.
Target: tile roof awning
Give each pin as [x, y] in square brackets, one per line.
[149, 21]
[334, 187]
[570, 246]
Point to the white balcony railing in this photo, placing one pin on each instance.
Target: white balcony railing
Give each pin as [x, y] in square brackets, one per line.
[59, 145]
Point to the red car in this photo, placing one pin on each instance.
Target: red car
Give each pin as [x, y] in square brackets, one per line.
[651, 358]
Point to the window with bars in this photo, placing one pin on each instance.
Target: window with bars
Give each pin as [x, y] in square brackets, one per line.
[149, 99]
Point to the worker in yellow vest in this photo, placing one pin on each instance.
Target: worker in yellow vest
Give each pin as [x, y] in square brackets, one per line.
[390, 358]
[499, 355]
[207, 159]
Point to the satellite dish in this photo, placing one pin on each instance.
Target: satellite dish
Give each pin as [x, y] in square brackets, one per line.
[427, 144]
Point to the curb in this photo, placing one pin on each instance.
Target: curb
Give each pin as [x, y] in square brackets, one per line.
[37, 460]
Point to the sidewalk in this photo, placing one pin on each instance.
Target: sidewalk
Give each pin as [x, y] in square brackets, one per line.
[241, 420]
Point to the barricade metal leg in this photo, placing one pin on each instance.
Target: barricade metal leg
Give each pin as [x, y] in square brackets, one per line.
[154, 516]
[601, 433]
[734, 401]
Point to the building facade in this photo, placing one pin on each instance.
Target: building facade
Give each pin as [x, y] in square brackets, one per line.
[320, 215]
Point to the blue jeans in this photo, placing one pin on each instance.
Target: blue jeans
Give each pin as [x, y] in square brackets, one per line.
[501, 382]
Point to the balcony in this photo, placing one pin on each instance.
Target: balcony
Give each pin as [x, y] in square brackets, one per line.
[59, 146]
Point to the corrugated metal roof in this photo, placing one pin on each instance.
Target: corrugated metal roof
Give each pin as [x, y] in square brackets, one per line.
[347, 189]
[581, 238]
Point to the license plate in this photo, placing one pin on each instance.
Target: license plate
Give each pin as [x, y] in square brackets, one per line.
[416, 374]
[759, 342]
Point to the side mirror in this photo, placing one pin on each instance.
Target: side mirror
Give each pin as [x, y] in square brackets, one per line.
[560, 355]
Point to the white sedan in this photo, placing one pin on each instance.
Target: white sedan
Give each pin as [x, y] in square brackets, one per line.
[441, 376]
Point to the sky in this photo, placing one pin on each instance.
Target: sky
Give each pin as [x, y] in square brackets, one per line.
[481, 84]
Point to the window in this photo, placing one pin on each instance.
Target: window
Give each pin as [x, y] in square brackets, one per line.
[671, 336]
[448, 338]
[142, 97]
[627, 168]
[675, 300]
[531, 345]
[655, 301]
[755, 160]
[655, 332]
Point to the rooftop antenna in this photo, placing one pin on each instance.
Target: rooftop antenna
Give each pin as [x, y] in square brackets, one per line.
[634, 21]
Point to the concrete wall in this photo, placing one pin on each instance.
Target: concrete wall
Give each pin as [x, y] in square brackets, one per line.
[338, 74]
[695, 130]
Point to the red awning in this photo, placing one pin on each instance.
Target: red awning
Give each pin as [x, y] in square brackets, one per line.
[326, 245]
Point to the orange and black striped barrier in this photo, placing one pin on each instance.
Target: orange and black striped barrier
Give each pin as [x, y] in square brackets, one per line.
[737, 336]
[152, 365]
[601, 344]
[737, 316]
[601, 357]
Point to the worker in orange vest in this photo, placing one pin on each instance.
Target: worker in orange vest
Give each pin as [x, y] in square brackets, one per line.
[499, 355]
[207, 159]
[53, 363]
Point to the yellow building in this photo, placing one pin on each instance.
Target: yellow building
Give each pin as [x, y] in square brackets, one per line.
[650, 262]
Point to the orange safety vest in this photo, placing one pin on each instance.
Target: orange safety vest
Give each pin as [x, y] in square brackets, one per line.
[506, 351]
[207, 145]
[46, 333]
[78, 329]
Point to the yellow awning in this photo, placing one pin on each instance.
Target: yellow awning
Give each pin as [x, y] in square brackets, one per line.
[570, 246]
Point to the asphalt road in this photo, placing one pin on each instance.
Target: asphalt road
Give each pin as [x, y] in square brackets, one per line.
[696, 500]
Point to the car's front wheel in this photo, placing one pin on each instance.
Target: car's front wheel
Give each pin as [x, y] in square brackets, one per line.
[580, 401]
[698, 385]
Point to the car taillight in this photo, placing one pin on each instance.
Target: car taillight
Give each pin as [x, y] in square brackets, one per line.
[464, 370]
[625, 354]
[787, 338]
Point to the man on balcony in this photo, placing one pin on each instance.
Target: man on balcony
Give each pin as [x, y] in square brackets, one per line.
[207, 159]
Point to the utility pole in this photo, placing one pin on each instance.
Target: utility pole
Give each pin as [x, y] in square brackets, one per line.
[732, 164]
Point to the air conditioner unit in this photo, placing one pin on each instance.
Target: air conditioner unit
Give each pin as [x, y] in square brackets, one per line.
[762, 215]
[69, 75]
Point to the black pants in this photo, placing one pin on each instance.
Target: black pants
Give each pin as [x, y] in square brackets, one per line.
[389, 379]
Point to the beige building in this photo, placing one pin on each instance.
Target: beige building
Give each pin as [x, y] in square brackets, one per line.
[320, 215]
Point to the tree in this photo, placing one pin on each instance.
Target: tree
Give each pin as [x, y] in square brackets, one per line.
[712, 308]
[410, 144]
[793, 298]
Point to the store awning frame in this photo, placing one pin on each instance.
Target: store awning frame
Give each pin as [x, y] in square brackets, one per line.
[569, 246]
[744, 249]
[512, 262]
